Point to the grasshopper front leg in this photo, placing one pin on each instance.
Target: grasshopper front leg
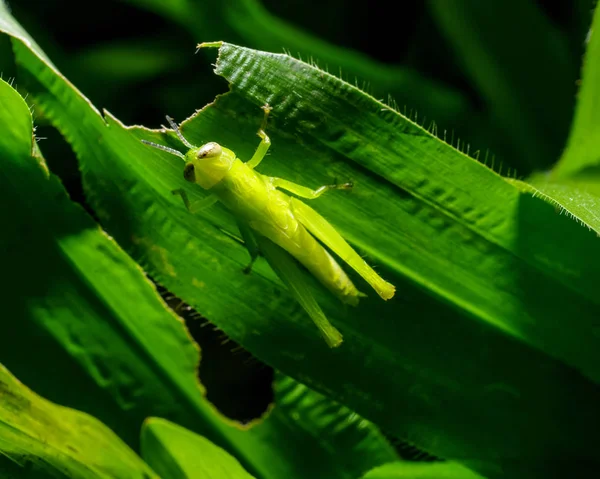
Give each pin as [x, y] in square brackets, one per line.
[264, 145]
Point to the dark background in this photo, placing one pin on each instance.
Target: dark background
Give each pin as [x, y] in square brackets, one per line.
[70, 31]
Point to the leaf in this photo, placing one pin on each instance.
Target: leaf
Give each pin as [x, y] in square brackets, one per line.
[583, 145]
[423, 470]
[40, 439]
[328, 424]
[104, 340]
[249, 23]
[577, 197]
[525, 77]
[463, 234]
[473, 262]
[83, 307]
[175, 452]
[573, 187]
[481, 345]
[128, 61]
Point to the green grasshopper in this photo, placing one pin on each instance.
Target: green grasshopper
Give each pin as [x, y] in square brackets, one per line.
[269, 221]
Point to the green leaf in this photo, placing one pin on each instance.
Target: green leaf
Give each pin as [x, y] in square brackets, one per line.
[526, 77]
[174, 452]
[462, 234]
[584, 141]
[74, 296]
[40, 439]
[339, 432]
[573, 187]
[426, 470]
[492, 320]
[107, 343]
[128, 61]
[249, 23]
[466, 196]
[577, 197]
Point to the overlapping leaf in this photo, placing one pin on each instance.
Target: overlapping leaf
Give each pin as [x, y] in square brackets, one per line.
[176, 452]
[584, 144]
[85, 326]
[436, 470]
[248, 22]
[40, 439]
[515, 74]
[477, 357]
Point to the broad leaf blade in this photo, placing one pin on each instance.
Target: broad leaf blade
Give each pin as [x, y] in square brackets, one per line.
[423, 193]
[40, 439]
[584, 140]
[328, 423]
[74, 296]
[577, 197]
[177, 453]
[424, 470]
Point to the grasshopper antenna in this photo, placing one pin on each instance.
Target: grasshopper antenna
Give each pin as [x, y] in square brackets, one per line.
[176, 129]
[164, 148]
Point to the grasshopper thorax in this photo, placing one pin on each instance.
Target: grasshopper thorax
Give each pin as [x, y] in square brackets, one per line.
[208, 164]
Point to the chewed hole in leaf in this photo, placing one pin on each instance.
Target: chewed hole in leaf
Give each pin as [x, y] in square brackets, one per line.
[237, 384]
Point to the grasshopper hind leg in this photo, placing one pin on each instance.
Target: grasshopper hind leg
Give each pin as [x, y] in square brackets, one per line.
[322, 229]
[292, 276]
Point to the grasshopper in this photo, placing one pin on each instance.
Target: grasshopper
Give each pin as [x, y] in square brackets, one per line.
[273, 223]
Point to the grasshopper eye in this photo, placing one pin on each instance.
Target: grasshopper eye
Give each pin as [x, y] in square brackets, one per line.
[189, 173]
[210, 150]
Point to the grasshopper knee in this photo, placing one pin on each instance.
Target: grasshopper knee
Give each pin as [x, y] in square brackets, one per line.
[344, 186]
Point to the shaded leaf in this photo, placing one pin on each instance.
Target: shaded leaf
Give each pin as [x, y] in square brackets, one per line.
[526, 77]
[344, 437]
[40, 439]
[583, 147]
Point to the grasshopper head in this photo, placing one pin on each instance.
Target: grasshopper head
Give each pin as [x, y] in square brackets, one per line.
[207, 164]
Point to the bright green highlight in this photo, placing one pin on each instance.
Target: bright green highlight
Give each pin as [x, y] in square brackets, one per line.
[421, 470]
[177, 453]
